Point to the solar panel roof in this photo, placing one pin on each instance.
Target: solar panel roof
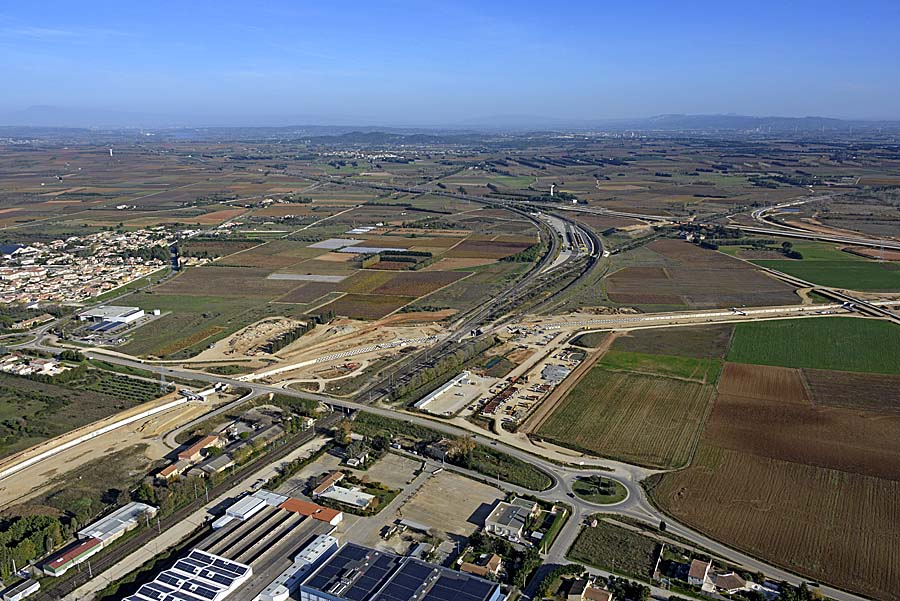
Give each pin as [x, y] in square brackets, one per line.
[356, 573]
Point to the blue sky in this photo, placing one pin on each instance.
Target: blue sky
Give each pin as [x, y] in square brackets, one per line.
[443, 62]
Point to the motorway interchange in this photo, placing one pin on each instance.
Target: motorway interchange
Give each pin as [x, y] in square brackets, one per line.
[568, 241]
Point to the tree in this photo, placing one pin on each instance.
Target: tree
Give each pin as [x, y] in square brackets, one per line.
[461, 448]
[344, 432]
[662, 525]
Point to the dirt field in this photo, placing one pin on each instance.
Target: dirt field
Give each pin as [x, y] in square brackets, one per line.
[451, 503]
[851, 390]
[763, 382]
[307, 293]
[641, 419]
[766, 411]
[40, 477]
[829, 525]
[457, 263]
[493, 249]
[418, 283]
[392, 470]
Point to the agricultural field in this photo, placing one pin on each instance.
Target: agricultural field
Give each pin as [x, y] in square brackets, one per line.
[366, 306]
[767, 411]
[648, 420]
[829, 265]
[835, 343]
[615, 549]
[798, 462]
[868, 392]
[33, 411]
[703, 342]
[684, 275]
[829, 525]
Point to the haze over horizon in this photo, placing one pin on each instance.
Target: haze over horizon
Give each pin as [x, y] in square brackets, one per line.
[444, 64]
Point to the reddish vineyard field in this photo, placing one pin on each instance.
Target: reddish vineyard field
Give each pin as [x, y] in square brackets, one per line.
[366, 306]
[488, 249]
[829, 525]
[698, 278]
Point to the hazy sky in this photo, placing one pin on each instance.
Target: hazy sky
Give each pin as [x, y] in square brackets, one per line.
[445, 62]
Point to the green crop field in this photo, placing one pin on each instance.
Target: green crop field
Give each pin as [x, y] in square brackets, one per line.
[641, 419]
[850, 275]
[837, 343]
[827, 265]
[687, 368]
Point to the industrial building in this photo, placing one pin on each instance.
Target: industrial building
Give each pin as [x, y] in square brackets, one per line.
[200, 576]
[117, 523]
[247, 507]
[459, 380]
[94, 537]
[71, 556]
[21, 590]
[111, 314]
[357, 573]
[554, 374]
[308, 560]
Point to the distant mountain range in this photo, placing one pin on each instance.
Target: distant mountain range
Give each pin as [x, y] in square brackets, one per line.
[267, 125]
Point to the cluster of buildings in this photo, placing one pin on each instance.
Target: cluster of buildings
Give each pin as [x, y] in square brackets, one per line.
[216, 453]
[95, 537]
[196, 455]
[515, 398]
[78, 268]
[24, 365]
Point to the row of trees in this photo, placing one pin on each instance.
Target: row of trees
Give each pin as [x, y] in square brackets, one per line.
[289, 337]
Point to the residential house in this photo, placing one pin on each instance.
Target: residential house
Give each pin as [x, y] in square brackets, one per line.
[195, 451]
[730, 583]
[486, 566]
[510, 519]
[576, 589]
[698, 572]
